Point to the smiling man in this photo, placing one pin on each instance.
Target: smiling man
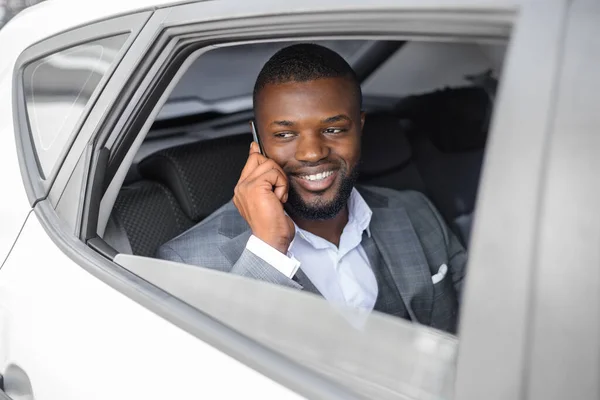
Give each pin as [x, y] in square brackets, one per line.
[298, 220]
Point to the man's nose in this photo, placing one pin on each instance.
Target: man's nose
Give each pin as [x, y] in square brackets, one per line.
[311, 148]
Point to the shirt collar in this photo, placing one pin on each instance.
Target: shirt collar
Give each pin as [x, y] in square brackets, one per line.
[359, 211]
[359, 215]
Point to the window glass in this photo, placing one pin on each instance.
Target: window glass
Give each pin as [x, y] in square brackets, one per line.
[375, 355]
[57, 89]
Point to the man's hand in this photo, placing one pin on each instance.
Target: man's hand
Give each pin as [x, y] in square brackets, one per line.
[259, 196]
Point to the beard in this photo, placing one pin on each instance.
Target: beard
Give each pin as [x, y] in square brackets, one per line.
[319, 209]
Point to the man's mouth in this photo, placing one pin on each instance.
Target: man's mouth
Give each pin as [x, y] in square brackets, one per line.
[317, 177]
[317, 182]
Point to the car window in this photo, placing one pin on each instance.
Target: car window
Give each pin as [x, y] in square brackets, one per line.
[57, 89]
[419, 140]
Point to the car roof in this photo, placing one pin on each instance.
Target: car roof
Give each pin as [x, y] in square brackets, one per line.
[52, 17]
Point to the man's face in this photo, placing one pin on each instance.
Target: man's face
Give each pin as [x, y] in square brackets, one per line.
[312, 130]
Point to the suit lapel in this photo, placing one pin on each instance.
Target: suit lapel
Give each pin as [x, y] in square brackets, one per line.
[235, 227]
[401, 250]
[306, 283]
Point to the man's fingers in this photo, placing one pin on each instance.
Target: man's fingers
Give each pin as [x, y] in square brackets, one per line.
[281, 192]
[262, 168]
[254, 160]
[276, 181]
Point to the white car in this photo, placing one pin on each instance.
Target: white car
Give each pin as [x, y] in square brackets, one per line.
[121, 124]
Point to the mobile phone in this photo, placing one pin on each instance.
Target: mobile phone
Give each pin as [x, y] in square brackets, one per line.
[256, 138]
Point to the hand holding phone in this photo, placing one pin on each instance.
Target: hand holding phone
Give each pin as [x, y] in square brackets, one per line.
[259, 197]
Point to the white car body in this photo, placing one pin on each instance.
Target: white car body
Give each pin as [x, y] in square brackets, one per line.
[67, 334]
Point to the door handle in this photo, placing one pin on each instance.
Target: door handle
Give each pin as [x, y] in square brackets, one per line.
[3, 395]
[15, 384]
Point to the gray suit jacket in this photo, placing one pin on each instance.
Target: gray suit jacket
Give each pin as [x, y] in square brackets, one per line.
[409, 233]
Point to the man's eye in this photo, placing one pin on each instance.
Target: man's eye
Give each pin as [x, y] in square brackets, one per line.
[334, 130]
[284, 135]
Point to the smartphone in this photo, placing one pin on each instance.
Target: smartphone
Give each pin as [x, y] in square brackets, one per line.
[256, 138]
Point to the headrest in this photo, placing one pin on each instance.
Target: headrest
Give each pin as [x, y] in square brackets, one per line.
[455, 120]
[385, 146]
[201, 175]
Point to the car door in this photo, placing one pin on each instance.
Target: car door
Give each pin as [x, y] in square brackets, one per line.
[63, 332]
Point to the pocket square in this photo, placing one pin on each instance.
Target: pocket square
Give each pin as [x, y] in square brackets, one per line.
[440, 275]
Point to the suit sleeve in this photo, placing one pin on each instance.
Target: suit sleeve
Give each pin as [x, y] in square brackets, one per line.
[166, 252]
[457, 255]
[250, 265]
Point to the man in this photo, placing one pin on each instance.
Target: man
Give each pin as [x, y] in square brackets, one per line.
[296, 218]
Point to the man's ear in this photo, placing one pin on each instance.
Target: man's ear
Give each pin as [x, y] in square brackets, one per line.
[362, 120]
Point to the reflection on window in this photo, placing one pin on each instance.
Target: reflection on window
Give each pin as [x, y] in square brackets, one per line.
[57, 90]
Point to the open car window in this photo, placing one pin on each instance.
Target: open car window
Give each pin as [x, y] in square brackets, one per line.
[187, 167]
[184, 164]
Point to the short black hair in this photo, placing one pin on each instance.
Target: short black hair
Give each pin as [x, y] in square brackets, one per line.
[305, 62]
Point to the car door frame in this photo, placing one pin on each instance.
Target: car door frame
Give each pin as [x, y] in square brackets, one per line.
[496, 324]
[564, 338]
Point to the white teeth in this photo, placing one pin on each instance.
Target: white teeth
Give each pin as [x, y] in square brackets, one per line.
[318, 177]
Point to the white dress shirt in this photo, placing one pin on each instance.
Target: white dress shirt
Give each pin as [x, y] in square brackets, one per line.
[342, 274]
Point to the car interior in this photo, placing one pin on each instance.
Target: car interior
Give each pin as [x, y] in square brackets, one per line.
[428, 108]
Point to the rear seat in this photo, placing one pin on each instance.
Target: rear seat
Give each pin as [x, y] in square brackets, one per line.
[181, 186]
[448, 141]
[145, 215]
[387, 157]
[452, 180]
